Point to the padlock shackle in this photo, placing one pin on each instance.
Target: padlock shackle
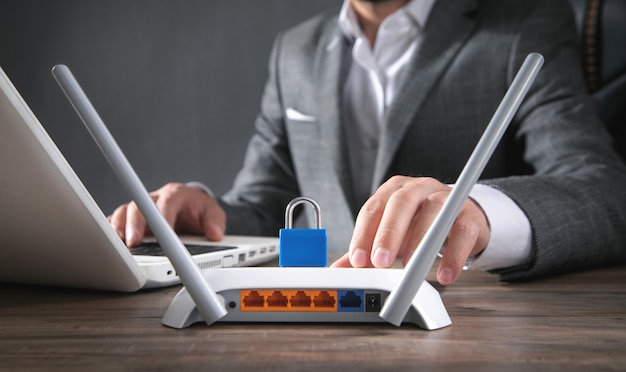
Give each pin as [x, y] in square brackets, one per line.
[302, 200]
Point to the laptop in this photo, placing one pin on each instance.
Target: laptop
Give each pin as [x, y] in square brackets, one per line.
[53, 232]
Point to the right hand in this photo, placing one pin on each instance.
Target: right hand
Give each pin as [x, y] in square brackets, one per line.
[186, 209]
[394, 220]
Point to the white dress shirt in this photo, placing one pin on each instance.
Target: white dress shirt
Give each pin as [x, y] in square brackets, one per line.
[371, 84]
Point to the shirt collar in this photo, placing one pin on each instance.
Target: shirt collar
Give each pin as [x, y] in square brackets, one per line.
[418, 10]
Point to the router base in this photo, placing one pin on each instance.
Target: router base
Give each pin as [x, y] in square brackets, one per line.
[305, 294]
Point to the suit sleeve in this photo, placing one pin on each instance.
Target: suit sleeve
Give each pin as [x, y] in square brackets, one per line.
[575, 200]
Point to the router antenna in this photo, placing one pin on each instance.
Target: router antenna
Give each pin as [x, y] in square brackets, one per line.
[199, 289]
[399, 300]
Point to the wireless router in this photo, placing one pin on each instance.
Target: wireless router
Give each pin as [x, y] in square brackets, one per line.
[305, 294]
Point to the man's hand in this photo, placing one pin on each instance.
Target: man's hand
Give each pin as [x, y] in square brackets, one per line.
[186, 209]
[394, 220]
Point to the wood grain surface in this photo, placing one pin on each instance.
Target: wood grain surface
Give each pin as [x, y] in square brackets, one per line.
[573, 322]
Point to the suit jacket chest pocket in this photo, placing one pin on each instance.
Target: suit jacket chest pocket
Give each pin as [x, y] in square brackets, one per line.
[304, 139]
[304, 143]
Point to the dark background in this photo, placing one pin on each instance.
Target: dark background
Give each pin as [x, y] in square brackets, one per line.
[178, 82]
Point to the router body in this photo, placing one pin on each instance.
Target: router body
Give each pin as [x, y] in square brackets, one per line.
[306, 294]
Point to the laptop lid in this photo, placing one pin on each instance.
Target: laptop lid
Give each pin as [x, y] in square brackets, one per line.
[54, 233]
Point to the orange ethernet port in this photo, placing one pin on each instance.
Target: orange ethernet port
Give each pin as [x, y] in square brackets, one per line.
[325, 300]
[300, 300]
[252, 299]
[277, 299]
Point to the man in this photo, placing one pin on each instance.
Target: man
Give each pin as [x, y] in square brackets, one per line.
[393, 91]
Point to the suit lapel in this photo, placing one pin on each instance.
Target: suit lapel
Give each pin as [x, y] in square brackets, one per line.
[445, 32]
[330, 73]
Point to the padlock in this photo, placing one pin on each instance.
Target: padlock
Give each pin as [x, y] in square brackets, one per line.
[303, 247]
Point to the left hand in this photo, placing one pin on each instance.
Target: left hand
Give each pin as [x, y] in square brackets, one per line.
[394, 220]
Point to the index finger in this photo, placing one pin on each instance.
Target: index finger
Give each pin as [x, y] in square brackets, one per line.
[384, 219]
[404, 207]
[135, 225]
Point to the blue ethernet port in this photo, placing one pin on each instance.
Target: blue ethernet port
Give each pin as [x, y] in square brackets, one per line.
[350, 301]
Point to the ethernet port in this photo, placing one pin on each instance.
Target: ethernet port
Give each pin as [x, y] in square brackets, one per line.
[253, 299]
[373, 302]
[350, 301]
[277, 299]
[300, 299]
[324, 299]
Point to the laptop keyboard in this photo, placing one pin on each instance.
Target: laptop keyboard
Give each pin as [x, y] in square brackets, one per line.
[153, 249]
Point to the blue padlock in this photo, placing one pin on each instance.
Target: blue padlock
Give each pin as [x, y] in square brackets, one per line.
[303, 247]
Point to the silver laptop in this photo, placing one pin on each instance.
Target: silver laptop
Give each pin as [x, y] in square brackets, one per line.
[52, 232]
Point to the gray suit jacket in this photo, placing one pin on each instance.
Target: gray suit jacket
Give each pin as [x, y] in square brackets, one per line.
[555, 161]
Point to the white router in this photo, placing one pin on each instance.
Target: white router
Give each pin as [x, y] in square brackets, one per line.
[306, 294]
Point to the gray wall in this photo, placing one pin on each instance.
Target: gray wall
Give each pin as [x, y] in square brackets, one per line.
[178, 82]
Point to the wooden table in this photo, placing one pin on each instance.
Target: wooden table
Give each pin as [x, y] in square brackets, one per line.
[573, 322]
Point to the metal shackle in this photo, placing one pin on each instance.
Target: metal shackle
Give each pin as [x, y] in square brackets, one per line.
[302, 200]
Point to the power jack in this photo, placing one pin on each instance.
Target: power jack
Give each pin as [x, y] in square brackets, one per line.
[372, 302]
